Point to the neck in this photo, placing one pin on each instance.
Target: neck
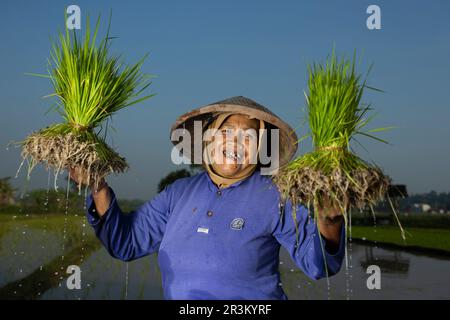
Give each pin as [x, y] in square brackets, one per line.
[223, 182]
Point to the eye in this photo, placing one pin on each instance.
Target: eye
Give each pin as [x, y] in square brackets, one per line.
[249, 136]
[227, 132]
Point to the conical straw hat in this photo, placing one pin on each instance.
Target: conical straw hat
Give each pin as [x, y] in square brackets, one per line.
[239, 105]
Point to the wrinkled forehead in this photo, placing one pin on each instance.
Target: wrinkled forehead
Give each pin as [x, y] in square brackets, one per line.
[240, 121]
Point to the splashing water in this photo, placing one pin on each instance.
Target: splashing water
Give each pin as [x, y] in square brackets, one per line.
[374, 229]
[20, 167]
[66, 212]
[44, 230]
[348, 275]
[23, 233]
[126, 280]
[84, 221]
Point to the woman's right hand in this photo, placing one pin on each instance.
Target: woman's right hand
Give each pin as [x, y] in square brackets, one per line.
[80, 176]
[100, 190]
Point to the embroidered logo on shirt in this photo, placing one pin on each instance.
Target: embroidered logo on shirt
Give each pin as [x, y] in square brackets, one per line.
[237, 224]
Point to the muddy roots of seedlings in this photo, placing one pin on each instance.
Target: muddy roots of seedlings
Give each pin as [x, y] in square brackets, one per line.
[355, 189]
[62, 151]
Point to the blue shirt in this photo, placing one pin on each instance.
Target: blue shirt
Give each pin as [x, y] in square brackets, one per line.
[217, 244]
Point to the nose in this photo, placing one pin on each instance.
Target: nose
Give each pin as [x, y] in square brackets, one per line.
[238, 136]
[236, 139]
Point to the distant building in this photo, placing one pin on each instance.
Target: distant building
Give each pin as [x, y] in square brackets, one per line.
[421, 207]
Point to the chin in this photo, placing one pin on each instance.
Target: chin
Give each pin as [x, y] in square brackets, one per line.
[228, 170]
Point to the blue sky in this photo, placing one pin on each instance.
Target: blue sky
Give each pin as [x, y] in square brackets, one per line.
[204, 51]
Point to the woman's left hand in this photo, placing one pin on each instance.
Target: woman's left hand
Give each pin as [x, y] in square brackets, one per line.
[329, 222]
[331, 211]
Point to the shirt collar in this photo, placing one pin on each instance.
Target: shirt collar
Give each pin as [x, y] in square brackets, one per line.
[212, 186]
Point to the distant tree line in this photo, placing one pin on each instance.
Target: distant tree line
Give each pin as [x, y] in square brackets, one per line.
[437, 201]
[51, 201]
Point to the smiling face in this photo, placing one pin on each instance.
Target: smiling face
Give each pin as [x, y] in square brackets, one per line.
[235, 145]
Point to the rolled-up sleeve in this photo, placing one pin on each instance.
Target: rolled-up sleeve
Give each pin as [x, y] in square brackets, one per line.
[128, 236]
[310, 250]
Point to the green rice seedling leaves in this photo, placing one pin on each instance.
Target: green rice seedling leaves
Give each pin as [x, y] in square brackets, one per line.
[90, 85]
[336, 115]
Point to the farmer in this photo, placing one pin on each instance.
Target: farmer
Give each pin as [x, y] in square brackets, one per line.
[219, 232]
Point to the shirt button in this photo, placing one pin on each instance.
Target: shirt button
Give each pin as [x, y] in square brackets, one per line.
[219, 193]
[209, 213]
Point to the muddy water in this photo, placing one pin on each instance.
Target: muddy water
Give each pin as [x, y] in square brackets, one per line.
[27, 271]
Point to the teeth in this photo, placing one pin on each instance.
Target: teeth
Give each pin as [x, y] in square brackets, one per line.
[232, 155]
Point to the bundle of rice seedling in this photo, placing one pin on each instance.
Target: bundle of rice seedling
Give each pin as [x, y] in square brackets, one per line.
[91, 85]
[332, 171]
